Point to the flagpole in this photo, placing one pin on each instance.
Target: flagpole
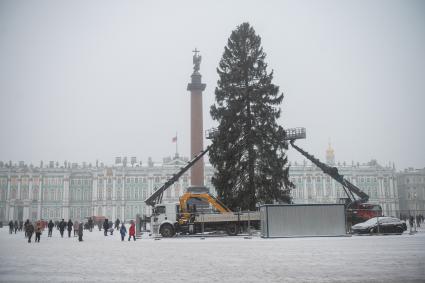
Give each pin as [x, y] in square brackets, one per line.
[177, 140]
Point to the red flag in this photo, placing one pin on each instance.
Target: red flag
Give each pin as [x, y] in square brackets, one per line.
[174, 139]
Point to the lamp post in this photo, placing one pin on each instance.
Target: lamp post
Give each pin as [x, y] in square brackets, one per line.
[416, 208]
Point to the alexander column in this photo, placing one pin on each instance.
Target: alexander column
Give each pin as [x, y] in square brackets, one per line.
[196, 122]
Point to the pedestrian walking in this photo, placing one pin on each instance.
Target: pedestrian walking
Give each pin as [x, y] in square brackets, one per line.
[16, 226]
[10, 227]
[30, 231]
[25, 227]
[62, 225]
[105, 227]
[50, 227]
[123, 231]
[80, 232]
[90, 224]
[117, 224]
[38, 230]
[76, 227]
[69, 228]
[132, 231]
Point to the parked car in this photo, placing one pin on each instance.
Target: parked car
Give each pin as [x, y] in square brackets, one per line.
[386, 225]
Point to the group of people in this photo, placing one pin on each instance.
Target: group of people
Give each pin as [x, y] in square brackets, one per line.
[107, 226]
[29, 229]
[15, 226]
[39, 226]
[78, 228]
[411, 219]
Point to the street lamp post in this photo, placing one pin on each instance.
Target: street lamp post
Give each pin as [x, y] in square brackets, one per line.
[416, 208]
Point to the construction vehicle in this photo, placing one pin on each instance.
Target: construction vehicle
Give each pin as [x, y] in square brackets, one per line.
[358, 210]
[196, 211]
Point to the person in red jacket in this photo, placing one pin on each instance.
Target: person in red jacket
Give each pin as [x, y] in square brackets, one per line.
[132, 231]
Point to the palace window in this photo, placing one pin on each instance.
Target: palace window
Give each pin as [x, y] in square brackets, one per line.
[52, 194]
[35, 193]
[100, 194]
[24, 193]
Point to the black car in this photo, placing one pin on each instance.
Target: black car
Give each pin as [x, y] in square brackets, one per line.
[380, 225]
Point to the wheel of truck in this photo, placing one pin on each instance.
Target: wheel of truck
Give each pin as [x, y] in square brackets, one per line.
[167, 231]
[232, 229]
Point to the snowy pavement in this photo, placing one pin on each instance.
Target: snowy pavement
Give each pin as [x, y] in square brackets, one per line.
[227, 259]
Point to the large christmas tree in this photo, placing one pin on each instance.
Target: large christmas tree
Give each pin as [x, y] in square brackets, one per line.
[248, 151]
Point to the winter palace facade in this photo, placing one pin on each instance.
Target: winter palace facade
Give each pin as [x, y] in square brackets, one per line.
[76, 192]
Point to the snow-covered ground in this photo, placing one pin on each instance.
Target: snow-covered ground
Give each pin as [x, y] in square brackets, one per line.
[227, 259]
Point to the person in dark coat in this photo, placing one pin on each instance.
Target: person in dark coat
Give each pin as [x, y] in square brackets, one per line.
[117, 224]
[123, 231]
[80, 232]
[10, 227]
[25, 227]
[105, 227]
[50, 226]
[132, 231]
[21, 224]
[90, 224]
[29, 231]
[70, 228]
[62, 225]
[16, 226]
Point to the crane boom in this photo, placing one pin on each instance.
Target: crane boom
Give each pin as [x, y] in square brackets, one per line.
[350, 189]
[156, 197]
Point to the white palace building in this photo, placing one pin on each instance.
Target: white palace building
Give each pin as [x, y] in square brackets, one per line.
[80, 191]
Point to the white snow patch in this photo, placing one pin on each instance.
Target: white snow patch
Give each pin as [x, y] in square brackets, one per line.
[227, 259]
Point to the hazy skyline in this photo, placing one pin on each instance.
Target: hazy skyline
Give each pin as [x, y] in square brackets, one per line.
[92, 80]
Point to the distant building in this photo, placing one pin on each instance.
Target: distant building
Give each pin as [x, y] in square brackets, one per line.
[76, 192]
[411, 191]
[119, 191]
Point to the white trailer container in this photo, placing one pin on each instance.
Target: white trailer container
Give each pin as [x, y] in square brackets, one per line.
[302, 220]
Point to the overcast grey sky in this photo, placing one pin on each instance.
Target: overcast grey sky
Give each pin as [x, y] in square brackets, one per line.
[87, 80]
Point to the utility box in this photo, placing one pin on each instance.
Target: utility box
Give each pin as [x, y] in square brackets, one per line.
[302, 220]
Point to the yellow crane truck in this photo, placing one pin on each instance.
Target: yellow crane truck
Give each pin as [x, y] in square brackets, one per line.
[185, 217]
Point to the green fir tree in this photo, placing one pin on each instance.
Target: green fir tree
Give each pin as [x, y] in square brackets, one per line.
[248, 151]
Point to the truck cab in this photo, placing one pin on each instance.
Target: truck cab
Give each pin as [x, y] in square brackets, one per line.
[165, 218]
